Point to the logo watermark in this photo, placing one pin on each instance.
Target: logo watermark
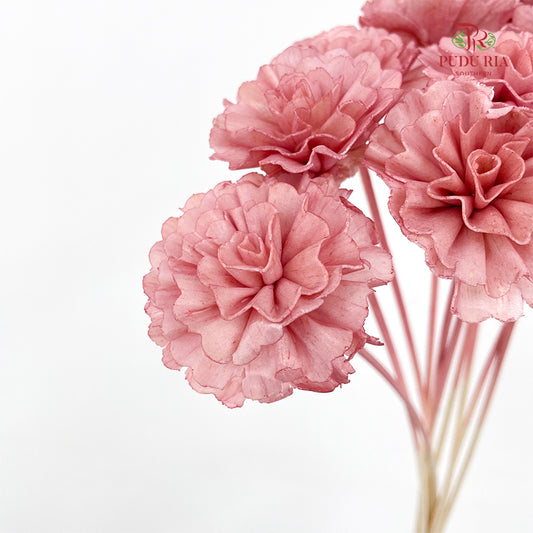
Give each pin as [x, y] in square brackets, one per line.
[470, 37]
[473, 57]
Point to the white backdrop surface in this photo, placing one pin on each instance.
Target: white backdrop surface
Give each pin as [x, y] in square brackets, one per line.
[106, 111]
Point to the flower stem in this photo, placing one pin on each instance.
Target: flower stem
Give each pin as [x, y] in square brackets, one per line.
[450, 402]
[494, 363]
[428, 491]
[374, 210]
[465, 360]
[416, 422]
[448, 344]
[387, 337]
[462, 375]
[431, 330]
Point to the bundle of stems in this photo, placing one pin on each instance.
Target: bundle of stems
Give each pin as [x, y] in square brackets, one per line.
[448, 403]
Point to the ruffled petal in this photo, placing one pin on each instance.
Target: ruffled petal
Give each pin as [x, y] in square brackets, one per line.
[250, 289]
[460, 170]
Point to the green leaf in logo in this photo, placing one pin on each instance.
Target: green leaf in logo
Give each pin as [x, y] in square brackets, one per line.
[458, 40]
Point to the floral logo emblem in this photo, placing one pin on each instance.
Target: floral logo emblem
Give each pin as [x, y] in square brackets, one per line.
[470, 37]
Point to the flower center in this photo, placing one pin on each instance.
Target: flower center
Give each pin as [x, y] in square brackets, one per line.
[485, 164]
[482, 171]
[252, 251]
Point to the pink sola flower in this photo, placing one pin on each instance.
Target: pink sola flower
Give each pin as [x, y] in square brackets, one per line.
[258, 288]
[429, 20]
[508, 67]
[311, 110]
[392, 52]
[523, 17]
[461, 180]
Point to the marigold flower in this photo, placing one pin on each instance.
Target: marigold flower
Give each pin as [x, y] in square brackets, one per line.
[508, 67]
[313, 108]
[429, 20]
[461, 178]
[259, 288]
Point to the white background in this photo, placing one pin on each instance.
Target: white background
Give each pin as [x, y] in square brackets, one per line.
[106, 111]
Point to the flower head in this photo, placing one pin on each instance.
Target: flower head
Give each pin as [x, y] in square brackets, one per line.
[429, 20]
[461, 177]
[391, 51]
[259, 288]
[311, 110]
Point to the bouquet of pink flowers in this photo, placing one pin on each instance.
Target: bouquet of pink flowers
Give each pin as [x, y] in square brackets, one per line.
[264, 285]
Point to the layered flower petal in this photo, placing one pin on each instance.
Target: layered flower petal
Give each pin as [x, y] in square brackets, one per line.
[523, 17]
[460, 170]
[311, 110]
[429, 21]
[507, 67]
[261, 287]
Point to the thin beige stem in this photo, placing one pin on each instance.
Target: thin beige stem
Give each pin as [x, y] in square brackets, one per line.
[422, 516]
[499, 351]
[451, 493]
[428, 491]
[462, 378]
[446, 424]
